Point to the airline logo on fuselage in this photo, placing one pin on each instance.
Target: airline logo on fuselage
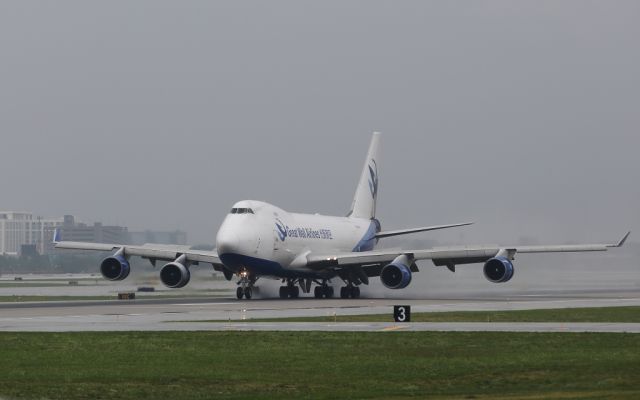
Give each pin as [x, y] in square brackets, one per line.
[284, 232]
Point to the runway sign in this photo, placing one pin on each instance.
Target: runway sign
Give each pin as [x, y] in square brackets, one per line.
[126, 296]
[402, 313]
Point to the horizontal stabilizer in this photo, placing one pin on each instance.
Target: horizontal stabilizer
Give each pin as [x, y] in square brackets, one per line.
[414, 230]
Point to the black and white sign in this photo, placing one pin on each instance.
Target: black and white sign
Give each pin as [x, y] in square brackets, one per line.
[402, 313]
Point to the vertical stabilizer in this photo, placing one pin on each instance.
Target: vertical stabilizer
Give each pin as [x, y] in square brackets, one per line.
[364, 202]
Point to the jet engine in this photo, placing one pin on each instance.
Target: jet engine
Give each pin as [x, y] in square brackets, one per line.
[175, 274]
[115, 268]
[498, 269]
[396, 275]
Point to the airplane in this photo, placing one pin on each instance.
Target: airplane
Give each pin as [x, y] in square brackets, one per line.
[259, 240]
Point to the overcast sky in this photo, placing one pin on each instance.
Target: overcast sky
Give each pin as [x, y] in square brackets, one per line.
[521, 116]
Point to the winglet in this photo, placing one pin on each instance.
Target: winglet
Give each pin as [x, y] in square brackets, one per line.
[56, 236]
[624, 239]
[621, 242]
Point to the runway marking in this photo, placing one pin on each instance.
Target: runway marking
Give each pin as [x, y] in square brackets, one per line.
[394, 328]
[201, 304]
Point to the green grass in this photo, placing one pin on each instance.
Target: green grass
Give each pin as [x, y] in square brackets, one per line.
[33, 284]
[51, 283]
[596, 314]
[20, 299]
[326, 365]
[59, 278]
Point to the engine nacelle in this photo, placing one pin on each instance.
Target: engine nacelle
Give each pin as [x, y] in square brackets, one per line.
[396, 275]
[498, 269]
[175, 275]
[115, 268]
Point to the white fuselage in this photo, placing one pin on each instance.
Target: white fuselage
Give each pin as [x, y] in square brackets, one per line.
[268, 241]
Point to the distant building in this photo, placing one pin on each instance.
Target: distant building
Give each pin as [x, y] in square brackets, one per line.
[22, 228]
[97, 233]
[20, 231]
[24, 233]
[160, 237]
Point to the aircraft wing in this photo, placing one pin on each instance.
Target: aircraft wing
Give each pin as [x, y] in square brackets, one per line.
[152, 252]
[371, 262]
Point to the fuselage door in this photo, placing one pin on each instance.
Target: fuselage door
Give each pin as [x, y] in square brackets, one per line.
[279, 233]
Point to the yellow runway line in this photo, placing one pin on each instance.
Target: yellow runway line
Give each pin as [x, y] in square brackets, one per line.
[394, 328]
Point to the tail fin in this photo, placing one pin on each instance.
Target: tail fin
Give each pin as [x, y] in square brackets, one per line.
[56, 236]
[364, 201]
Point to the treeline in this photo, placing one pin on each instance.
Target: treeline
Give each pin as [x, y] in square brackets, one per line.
[68, 263]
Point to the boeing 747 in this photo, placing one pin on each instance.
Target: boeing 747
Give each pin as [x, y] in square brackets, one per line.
[258, 240]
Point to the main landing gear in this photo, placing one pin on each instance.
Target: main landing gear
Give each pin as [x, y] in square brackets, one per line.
[293, 287]
[323, 291]
[245, 285]
[289, 292]
[350, 292]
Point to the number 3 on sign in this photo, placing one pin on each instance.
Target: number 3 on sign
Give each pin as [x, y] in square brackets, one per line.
[402, 313]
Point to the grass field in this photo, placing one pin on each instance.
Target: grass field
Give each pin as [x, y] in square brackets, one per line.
[33, 284]
[263, 365]
[596, 314]
[20, 299]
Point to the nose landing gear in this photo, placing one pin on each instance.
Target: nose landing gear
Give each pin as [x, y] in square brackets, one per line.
[244, 291]
[245, 285]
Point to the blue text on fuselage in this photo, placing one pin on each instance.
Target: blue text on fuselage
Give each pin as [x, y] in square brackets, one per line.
[302, 232]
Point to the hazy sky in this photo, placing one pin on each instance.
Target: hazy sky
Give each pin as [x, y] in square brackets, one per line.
[521, 116]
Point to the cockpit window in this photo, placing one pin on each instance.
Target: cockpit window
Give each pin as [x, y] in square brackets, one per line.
[241, 211]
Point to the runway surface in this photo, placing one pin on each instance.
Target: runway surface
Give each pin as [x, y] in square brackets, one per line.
[181, 315]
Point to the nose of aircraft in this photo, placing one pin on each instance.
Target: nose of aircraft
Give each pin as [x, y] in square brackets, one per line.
[235, 239]
[227, 241]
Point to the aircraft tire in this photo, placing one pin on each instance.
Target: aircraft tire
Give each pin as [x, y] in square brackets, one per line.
[294, 292]
[247, 293]
[317, 292]
[356, 292]
[239, 293]
[328, 292]
[344, 292]
[284, 292]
